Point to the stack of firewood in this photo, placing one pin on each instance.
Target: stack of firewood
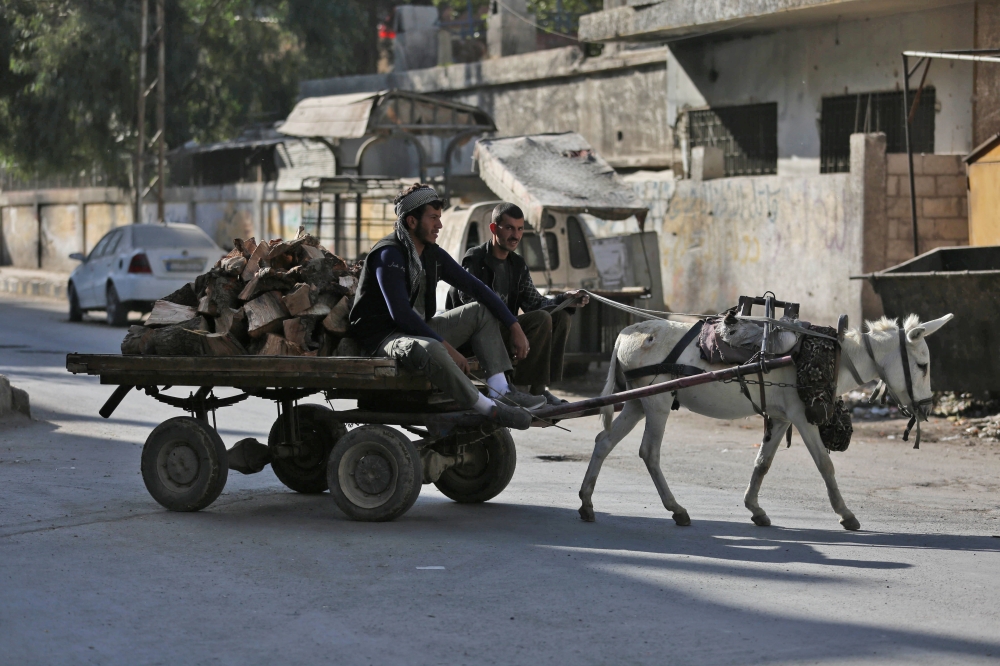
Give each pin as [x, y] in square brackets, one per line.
[280, 298]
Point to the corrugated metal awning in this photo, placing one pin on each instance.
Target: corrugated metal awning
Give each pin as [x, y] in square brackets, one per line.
[362, 114]
[558, 172]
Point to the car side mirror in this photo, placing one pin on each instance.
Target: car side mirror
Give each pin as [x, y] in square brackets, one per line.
[77, 256]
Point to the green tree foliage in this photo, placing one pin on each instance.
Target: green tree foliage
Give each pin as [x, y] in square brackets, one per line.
[69, 69]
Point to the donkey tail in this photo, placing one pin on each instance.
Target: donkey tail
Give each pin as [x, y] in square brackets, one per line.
[608, 411]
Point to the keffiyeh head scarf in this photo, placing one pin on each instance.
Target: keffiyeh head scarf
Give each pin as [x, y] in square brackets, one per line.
[406, 205]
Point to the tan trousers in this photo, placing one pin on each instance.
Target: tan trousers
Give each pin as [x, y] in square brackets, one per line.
[547, 335]
[472, 323]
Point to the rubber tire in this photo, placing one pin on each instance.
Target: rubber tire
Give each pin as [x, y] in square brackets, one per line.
[75, 312]
[307, 474]
[204, 445]
[470, 483]
[117, 313]
[407, 477]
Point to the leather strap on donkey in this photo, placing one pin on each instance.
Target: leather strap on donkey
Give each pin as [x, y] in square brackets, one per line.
[883, 388]
[669, 365]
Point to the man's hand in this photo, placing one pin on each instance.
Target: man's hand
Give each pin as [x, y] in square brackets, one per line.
[456, 356]
[579, 294]
[519, 341]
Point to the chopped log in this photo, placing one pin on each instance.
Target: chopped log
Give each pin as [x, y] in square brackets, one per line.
[137, 340]
[295, 331]
[225, 292]
[196, 324]
[253, 263]
[223, 344]
[265, 314]
[183, 296]
[337, 321]
[307, 238]
[166, 313]
[266, 280]
[310, 252]
[206, 306]
[349, 347]
[325, 274]
[324, 303]
[301, 299]
[275, 345]
[234, 265]
[249, 245]
[178, 341]
[350, 283]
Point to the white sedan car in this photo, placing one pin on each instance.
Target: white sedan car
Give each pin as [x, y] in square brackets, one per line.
[132, 266]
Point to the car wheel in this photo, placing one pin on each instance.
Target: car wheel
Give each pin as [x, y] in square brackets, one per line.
[75, 313]
[117, 312]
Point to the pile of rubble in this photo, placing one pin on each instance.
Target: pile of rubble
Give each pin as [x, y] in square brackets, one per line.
[986, 428]
[280, 298]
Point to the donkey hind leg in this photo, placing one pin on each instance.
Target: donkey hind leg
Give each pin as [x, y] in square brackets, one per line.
[820, 456]
[768, 447]
[603, 445]
[649, 451]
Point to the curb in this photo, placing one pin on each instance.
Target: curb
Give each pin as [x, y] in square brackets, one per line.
[35, 287]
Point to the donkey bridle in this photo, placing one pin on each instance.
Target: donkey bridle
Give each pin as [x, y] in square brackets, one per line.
[883, 388]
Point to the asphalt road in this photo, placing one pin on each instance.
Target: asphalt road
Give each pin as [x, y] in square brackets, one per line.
[93, 571]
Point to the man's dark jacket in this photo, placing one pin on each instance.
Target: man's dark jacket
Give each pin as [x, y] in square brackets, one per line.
[521, 293]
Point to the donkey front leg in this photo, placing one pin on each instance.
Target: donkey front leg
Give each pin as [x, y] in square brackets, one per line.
[768, 447]
[657, 411]
[603, 445]
[820, 456]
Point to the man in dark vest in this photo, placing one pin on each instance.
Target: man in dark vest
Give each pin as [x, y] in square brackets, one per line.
[496, 264]
[394, 307]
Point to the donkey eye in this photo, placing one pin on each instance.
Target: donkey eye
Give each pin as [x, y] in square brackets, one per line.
[923, 367]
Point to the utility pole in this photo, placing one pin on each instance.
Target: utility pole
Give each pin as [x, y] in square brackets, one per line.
[145, 41]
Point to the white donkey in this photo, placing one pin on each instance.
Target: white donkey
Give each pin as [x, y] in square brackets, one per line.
[648, 342]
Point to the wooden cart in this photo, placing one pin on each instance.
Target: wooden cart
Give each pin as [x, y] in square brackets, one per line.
[373, 472]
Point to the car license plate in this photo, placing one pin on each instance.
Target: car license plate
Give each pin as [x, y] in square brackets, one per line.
[184, 265]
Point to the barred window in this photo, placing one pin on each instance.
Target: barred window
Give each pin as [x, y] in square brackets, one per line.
[747, 135]
[844, 115]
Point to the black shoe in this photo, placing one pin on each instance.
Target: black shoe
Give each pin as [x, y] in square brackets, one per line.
[510, 417]
[553, 400]
[526, 400]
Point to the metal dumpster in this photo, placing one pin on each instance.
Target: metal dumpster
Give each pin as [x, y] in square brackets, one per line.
[965, 354]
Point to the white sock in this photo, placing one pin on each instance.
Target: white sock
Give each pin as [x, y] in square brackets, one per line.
[484, 405]
[498, 383]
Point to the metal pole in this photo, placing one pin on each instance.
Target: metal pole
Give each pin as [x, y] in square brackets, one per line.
[357, 228]
[161, 103]
[909, 151]
[140, 148]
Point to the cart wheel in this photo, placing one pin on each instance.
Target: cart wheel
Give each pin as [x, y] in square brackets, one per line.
[488, 468]
[184, 464]
[306, 473]
[374, 473]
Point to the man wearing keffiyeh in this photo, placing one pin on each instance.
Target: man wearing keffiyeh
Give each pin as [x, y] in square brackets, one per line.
[394, 314]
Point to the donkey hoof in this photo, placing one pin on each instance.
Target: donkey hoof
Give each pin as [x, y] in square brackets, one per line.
[682, 518]
[761, 521]
[851, 523]
[586, 514]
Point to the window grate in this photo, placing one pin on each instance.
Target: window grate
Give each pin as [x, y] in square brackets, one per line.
[747, 135]
[844, 115]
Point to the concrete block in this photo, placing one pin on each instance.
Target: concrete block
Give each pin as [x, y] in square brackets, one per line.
[941, 165]
[925, 186]
[892, 186]
[896, 163]
[707, 163]
[898, 207]
[20, 403]
[956, 229]
[940, 207]
[951, 186]
[898, 251]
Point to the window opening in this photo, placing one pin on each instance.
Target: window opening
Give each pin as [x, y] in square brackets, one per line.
[844, 115]
[473, 238]
[747, 135]
[579, 255]
[530, 248]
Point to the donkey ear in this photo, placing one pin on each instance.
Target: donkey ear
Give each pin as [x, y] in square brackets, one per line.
[926, 329]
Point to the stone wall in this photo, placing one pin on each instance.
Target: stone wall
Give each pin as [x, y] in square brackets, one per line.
[942, 205]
